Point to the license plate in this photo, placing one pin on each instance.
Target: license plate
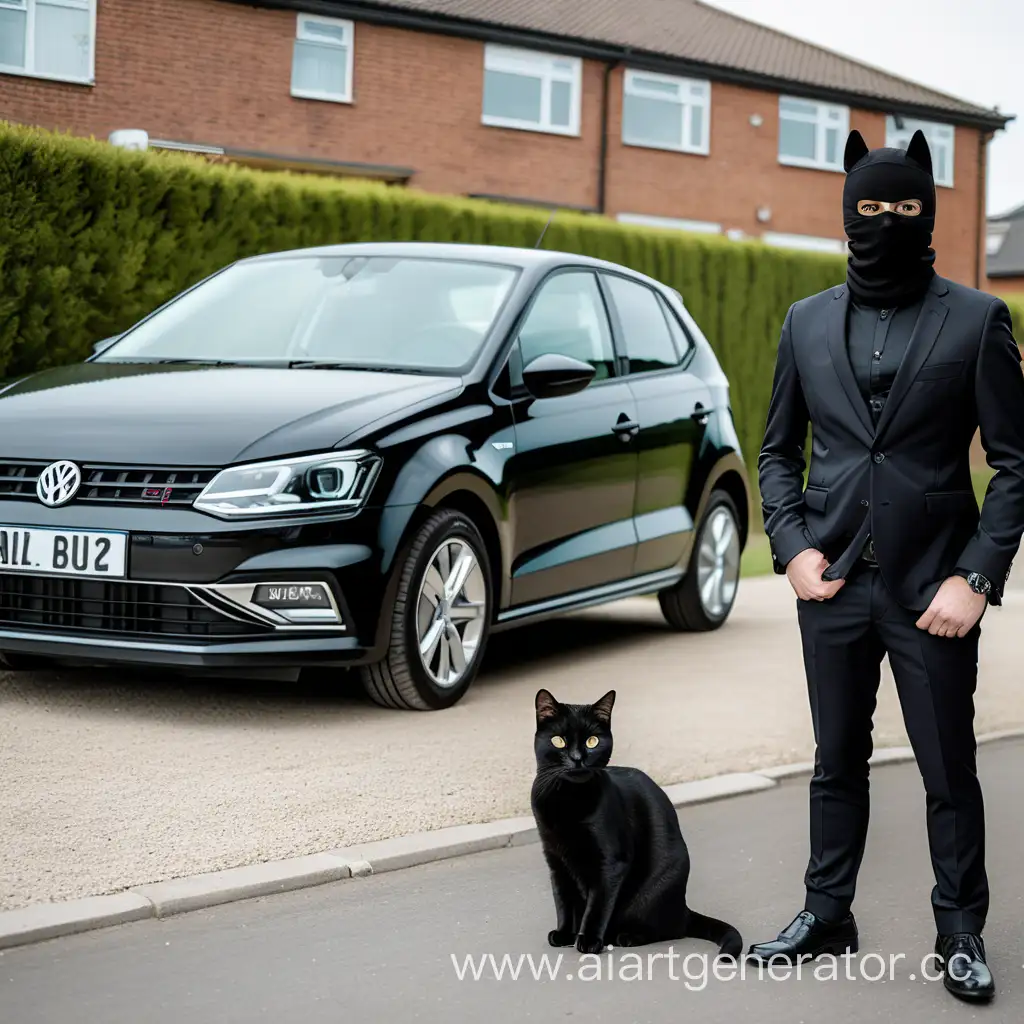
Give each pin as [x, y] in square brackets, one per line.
[64, 552]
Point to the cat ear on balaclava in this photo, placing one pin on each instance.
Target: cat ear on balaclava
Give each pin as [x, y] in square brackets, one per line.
[919, 152]
[856, 149]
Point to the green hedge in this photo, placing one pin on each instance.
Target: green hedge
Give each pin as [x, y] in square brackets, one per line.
[92, 238]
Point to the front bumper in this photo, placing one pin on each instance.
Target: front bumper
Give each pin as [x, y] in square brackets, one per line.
[186, 599]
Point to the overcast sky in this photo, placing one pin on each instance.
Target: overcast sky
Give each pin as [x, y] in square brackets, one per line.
[969, 48]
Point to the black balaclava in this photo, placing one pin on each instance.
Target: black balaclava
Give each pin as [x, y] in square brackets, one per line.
[891, 258]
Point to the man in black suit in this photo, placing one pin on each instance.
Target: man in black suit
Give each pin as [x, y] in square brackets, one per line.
[894, 372]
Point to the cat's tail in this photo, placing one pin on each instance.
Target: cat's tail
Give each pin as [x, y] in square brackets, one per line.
[728, 940]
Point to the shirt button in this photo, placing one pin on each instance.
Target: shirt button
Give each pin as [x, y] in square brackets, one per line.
[877, 405]
[884, 313]
[879, 457]
[878, 355]
[864, 502]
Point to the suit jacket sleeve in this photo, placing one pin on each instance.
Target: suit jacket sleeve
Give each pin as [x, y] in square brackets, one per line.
[999, 394]
[782, 460]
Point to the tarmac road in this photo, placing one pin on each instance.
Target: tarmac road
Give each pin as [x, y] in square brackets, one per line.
[380, 949]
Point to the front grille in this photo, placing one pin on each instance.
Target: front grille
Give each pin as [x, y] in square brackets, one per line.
[144, 610]
[114, 485]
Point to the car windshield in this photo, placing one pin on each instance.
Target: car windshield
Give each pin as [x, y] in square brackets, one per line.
[424, 315]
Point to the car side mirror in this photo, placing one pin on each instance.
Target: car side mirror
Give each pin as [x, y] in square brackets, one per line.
[102, 346]
[554, 376]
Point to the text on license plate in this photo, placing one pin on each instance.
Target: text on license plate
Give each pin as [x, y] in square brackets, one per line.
[66, 552]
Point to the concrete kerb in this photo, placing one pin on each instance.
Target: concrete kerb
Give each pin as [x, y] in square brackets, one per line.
[43, 921]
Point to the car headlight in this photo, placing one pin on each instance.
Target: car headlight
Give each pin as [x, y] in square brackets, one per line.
[310, 483]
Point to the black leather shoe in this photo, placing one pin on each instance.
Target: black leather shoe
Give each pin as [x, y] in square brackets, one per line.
[807, 937]
[964, 970]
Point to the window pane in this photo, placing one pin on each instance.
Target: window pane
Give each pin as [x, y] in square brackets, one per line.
[658, 122]
[568, 318]
[796, 138]
[62, 40]
[320, 69]
[515, 97]
[832, 145]
[799, 107]
[561, 104]
[668, 89]
[696, 126]
[648, 342]
[939, 156]
[12, 38]
[324, 31]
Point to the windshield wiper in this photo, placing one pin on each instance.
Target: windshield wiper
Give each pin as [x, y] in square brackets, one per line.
[318, 364]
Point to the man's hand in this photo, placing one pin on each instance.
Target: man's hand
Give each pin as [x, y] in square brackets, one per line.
[954, 610]
[804, 574]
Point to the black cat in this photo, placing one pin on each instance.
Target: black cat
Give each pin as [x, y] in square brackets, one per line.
[611, 837]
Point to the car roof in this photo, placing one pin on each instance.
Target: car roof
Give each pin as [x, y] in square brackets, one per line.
[533, 259]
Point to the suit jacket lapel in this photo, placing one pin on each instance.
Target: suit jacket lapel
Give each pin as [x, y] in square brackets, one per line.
[836, 331]
[922, 341]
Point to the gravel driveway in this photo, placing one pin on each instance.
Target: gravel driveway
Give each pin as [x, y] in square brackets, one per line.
[115, 780]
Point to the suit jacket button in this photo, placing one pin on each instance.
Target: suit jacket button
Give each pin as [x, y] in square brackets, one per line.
[879, 457]
[864, 502]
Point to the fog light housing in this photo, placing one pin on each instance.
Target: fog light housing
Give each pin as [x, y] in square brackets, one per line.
[297, 602]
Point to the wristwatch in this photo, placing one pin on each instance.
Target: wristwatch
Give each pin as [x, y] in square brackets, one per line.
[978, 583]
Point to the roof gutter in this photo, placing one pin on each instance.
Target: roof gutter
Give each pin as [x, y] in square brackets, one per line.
[440, 24]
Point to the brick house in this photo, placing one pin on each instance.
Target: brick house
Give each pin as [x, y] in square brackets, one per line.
[665, 112]
[1005, 252]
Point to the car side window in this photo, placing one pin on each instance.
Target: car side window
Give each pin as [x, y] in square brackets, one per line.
[645, 329]
[680, 335]
[568, 318]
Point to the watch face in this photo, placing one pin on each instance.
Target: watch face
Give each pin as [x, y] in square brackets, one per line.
[978, 583]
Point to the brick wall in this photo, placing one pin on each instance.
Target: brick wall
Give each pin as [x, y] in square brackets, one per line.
[217, 73]
[1006, 285]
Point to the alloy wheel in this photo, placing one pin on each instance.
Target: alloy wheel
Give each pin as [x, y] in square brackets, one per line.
[718, 563]
[451, 611]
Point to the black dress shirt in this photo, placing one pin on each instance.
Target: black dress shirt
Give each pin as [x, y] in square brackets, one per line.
[877, 342]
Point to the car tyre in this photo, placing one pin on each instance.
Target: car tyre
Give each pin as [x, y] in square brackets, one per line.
[702, 600]
[440, 621]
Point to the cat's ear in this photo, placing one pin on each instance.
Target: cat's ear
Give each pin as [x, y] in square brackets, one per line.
[547, 706]
[856, 148]
[919, 152]
[603, 707]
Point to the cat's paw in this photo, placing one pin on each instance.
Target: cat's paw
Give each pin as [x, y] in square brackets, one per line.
[588, 944]
[557, 938]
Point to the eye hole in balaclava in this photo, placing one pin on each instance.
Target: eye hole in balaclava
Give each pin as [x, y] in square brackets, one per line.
[891, 260]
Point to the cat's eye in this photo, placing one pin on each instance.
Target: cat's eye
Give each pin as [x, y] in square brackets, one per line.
[558, 741]
[592, 741]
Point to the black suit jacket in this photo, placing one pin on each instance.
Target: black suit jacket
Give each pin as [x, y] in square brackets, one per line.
[908, 480]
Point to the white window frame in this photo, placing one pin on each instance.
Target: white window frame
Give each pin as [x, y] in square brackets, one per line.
[686, 100]
[821, 120]
[348, 46]
[645, 220]
[804, 243]
[898, 138]
[28, 71]
[534, 64]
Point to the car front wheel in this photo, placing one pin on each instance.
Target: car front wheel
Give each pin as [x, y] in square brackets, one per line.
[440, 621]
[703, 599]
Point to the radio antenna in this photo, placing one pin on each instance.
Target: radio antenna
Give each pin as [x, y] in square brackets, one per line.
[546, 226]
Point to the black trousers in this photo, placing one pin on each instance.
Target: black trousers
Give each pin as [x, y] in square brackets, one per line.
[844, 641]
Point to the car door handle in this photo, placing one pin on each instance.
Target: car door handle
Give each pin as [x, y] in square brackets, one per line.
[626, 428]
[700, 414]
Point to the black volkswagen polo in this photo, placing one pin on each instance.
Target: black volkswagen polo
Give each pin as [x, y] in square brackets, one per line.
[369, 457]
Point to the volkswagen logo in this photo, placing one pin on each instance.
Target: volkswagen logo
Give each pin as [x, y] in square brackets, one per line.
[58, 483]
